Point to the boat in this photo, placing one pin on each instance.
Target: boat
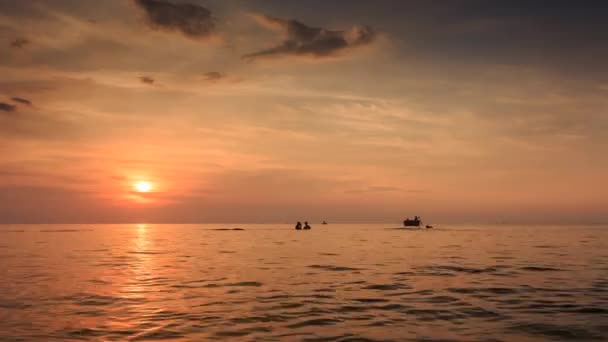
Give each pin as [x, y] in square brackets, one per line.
[415, 222]
[324, 222]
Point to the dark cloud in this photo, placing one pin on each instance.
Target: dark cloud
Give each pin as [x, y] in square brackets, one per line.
[147, 79]
[7, 107]
[194, 21]
[303, 40]
[19, 43]
[22, 100]
[214, 76]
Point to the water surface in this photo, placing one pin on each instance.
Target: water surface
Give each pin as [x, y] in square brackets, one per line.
[333, 283]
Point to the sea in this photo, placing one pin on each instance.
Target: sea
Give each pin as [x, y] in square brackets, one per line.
[335, 282]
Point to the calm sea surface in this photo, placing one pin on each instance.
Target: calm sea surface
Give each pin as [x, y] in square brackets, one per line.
[334, 283]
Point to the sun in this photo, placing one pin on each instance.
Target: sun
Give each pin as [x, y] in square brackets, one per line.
[142, 186]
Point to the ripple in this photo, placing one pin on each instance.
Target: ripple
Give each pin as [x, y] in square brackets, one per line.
[540, 269]
[567, 332]
[246, 283]
[158, 334]
[387, 287]
[315, 322]
[450, 270]
[435, 314]
[491, 290]
[334, 268]
[370, 300]
[149, 252]
[12, 304]
[87, 299]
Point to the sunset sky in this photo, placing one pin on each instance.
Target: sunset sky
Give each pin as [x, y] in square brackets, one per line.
[277, 111]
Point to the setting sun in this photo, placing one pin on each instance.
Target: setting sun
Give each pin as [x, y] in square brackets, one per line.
[142, 186]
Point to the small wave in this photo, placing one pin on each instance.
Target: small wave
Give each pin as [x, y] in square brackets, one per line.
[435, 314]
[387, 287]
[86, 333]
[441, 299]
[540, 269]
[158, 334]
[334, 268]
[567, 332]
[87, 299]
[14, 305]
[148, 252]
[370, 300]
[450, 270]
[479, 312]
[242, 332]
[315, 322]
[246, 283]
[491, 290]
[94, 300]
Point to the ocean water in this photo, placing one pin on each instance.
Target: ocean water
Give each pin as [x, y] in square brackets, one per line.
[338, 282]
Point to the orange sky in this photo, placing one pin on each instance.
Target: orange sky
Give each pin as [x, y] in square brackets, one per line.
[243, 111]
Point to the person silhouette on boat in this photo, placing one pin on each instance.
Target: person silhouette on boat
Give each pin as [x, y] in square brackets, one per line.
[306, 225]
[299, 225]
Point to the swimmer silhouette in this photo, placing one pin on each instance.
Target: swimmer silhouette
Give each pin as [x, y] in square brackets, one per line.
[306, 226]
[299, 225]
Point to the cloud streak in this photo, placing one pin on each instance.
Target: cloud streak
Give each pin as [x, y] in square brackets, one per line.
[193, 21]
[22, 100]
[19, 43]
[214, 76]
[316, 42]
[7, 107]
[146, 79]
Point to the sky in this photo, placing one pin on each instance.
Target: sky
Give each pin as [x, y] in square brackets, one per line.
[286, 110]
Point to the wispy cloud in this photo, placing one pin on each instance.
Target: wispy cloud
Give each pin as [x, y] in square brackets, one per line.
[19, 43]
[22, 100]
[214, 76]
[7, 107]
[303, 40]
[147, 79]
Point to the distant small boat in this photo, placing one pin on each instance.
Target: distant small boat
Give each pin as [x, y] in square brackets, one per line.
[324, 222]
[415, 222]
[428, 226]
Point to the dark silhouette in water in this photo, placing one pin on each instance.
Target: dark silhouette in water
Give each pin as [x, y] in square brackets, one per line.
[299, 225]
[306, 226]
[324, 222]
[428, 226]
[415, 222]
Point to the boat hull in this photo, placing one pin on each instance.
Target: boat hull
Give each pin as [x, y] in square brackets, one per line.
[411, 223]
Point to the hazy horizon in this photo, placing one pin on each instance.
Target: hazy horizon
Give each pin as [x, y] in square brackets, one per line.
[252, 111]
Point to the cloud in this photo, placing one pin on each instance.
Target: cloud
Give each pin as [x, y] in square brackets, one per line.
[6, 107]
[22, 100]
[194, 21]
[19, 43]
[303, 40]
[214, 76]
[147, 79]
